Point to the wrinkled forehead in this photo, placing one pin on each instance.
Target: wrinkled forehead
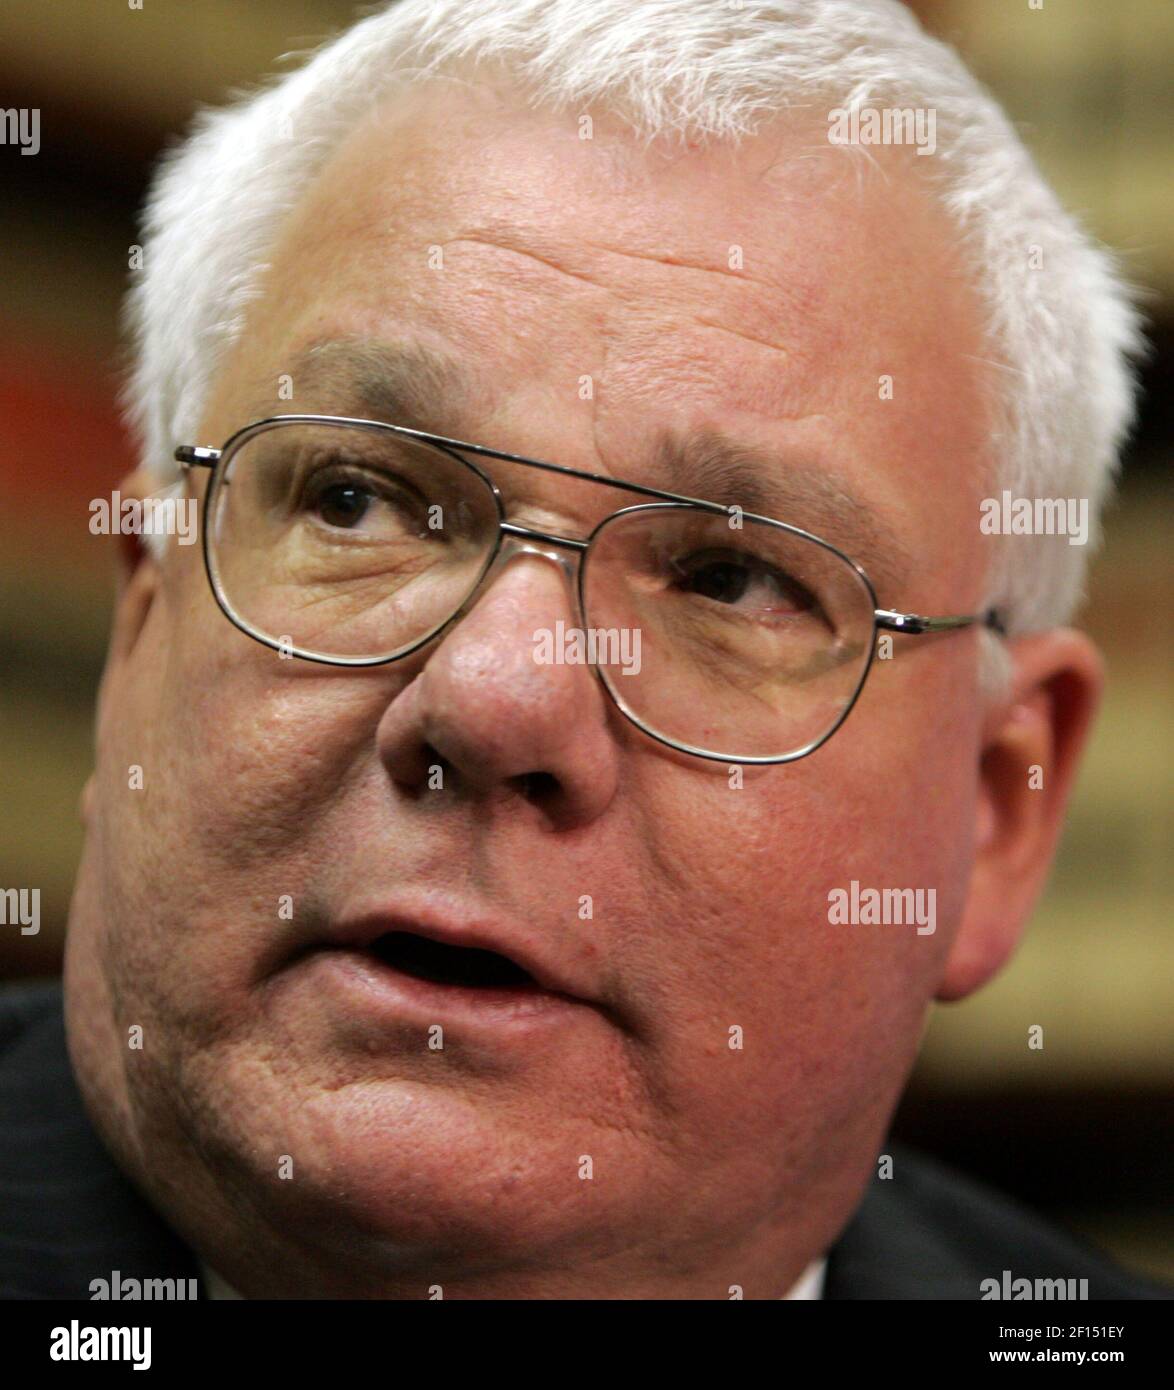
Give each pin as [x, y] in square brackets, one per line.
[801, 244]
[810, 305]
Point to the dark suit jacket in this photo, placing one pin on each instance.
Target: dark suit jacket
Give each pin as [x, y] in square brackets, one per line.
[68, 1215]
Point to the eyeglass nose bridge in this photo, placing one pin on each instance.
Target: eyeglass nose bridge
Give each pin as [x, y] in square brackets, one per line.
[520, 539]
[525, 540]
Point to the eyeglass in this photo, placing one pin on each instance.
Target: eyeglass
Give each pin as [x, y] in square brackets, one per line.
[721, 633]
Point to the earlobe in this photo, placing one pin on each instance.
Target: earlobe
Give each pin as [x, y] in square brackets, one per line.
[1032, 743]
[134, 604]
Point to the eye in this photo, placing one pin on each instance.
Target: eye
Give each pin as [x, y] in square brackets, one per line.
[373, 503]
[741, 581]
[342, 504]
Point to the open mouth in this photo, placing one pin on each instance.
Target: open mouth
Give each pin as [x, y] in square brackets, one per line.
[470, 966]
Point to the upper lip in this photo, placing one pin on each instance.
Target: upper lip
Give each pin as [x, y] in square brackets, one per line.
[453, 929]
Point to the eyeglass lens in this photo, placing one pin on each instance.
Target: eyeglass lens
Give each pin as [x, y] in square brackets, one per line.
[714, 631]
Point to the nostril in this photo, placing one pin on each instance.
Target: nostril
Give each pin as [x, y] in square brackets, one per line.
[420, 770]
[434, 761]
[538, 787]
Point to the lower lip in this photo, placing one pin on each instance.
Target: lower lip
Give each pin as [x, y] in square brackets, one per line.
[370, 984]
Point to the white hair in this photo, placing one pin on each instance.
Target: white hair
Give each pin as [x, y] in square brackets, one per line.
[1060, 334]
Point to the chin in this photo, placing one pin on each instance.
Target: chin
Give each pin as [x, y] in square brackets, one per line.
[405, 1181]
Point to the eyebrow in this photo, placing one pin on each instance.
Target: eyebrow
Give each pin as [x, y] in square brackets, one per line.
[711, 465]
[404, 383]
[410, 384]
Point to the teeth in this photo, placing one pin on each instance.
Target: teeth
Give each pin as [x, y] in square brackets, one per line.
[451, 965]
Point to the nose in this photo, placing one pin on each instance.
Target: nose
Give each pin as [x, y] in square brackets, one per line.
[494, 719]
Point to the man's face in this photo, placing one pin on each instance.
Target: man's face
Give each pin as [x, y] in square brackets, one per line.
[286, 1108]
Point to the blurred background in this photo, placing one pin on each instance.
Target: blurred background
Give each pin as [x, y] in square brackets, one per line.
[1083, 1129]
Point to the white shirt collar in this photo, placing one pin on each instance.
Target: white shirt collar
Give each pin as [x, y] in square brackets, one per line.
[809, 1285]
[216, 1286]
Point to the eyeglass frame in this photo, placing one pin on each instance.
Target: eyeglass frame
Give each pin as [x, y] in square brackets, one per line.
[190, 456]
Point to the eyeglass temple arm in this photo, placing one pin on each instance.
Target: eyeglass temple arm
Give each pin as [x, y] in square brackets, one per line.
[916, 623]
[196, 456]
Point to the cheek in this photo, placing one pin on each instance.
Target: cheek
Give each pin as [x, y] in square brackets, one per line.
[241, 760]
[261, 747]
[746, 939]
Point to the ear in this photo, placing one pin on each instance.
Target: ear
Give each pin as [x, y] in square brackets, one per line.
[138, 575]
[137, 587]
[1032, 741]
